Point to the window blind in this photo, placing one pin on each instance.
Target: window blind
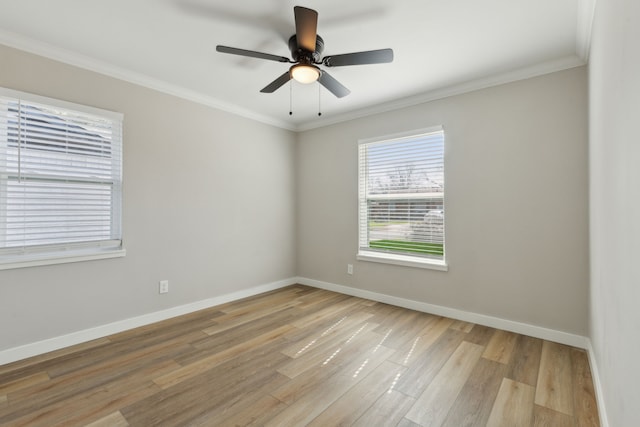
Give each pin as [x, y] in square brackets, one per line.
[401, 195]
[60, 175]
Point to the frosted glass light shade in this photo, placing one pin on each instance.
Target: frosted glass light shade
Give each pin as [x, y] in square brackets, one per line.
[305, 73]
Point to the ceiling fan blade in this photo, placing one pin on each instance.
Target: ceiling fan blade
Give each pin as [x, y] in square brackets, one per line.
[332, 85]
[251, 53]
[306, 27]
[277, 83]
[380, 56]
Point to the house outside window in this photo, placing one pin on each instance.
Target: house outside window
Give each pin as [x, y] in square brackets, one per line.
[60, 181]
[401, 199]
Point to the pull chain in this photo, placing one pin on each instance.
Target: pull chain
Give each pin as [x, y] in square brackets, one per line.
[319, 92]
[290, 98]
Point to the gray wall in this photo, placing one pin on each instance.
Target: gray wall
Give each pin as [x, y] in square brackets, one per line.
[208, 205]
[217, 203]
[614, 87]
[516, 203]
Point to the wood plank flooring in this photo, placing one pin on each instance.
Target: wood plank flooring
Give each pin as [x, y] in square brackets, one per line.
[301, 356]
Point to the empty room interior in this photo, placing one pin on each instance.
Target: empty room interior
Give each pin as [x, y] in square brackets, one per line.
[276, 213]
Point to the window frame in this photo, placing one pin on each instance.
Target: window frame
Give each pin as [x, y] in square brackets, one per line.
[402, 259]
[57, 253]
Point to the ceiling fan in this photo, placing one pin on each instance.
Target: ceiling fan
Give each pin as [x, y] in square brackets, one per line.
[306, 47]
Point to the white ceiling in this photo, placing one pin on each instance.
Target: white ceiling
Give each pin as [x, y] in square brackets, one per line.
[441, 47]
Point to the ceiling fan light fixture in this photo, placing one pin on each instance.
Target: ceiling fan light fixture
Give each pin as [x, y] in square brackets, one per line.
[305, 73]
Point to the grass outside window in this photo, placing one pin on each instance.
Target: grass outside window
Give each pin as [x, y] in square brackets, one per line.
[409, 247]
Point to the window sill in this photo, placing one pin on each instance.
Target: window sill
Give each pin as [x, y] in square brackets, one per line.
[404, 260]
[34, 260]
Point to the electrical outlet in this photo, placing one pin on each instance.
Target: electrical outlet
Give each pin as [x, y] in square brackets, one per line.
[163, 287]
[349, 268]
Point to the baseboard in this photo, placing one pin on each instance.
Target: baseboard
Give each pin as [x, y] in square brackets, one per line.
[57, 343]
[595, 374]
[481, 319]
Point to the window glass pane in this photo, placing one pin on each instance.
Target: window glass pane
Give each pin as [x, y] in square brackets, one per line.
[41, 212]
[402, 196]
[60, 175]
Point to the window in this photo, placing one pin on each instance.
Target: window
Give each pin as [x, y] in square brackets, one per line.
[401, 199]
[60, 181]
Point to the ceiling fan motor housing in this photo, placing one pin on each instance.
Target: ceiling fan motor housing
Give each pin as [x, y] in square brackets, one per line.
[303, 56]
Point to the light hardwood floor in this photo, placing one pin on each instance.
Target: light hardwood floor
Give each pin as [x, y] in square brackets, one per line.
[302, 356]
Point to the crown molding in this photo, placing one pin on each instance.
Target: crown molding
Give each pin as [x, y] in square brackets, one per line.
[458, 89]
[65, 56]
[586, 12]
[49, 51]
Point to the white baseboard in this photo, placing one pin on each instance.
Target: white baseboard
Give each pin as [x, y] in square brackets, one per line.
[56, 343]
[597, 384]
[481, 319]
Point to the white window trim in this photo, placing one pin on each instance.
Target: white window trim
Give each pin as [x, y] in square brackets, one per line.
[70, 253]
[60, 103]
[404, 260]
[391, 258]
[35, 260]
